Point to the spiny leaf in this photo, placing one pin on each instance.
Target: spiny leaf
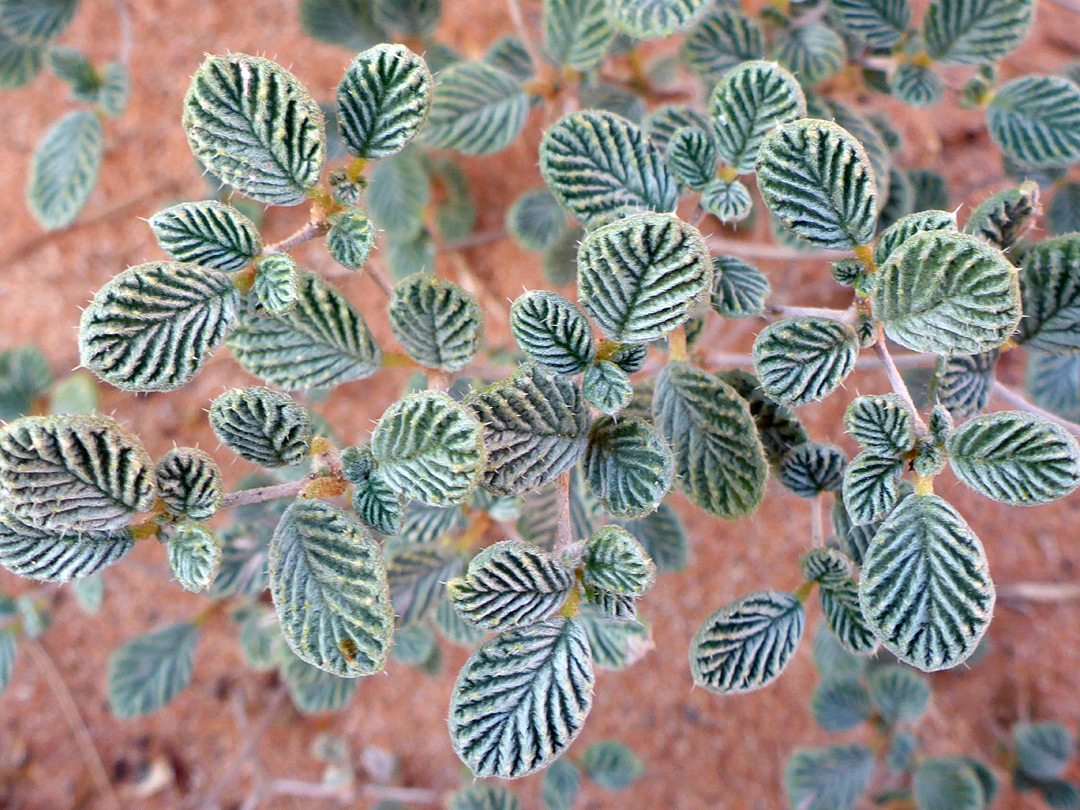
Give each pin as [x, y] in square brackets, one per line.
[1002, 218]
[611, 765]
[946, 784]
[825, 565]
[53, 555]
[511, 584]
[522, 698]
[916, 85]
[962, 384]
[321, 343]
[254, 126]
[812, 51]
[871, 486]
[840, 704]
[328, 583]
[816, 178]
[947, 293]
[598, 165]
[313, 690]
[1043, 750]
[975, 32]
[802, 360]
[925, 586]
[535, 429]
[739, 289]
[606, 387]
[640, 277]
[207, 233]
[616, 563]
[900, 695]
[728, 201]
[628, 466]
[552, 332]
[1016, 458]
[615, 645]
[881, 424]
[878, 23]
[1051, 295]
[150, 670]
[478, 109]
[723, 39]
[350, 238]
[1034, 120]
[904, 228]
[812, 468]
[151, 327]
[535, 220]
[265, 427]
[382, 100]
[64, 169]
[719, 461]
[437, 322]
[577, 32]
[418, 577]
[747, 644]
[831, 778]
[194, 556]
[188, 481]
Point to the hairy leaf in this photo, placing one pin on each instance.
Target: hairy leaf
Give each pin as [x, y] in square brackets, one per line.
[194, 556]
[265, 427]
[812, 468]
[883, 424]
[1034, 120]
[723, 39]
[616, 563]
[1003, 217]
[628, 466]
[350, 23]
[729, 202]
[53, 555]
[20, 61]
[825, 565]
[739, 289]
[844, 617]
[189, 483]
[904, 228]
[418, 577]
[552, 332]
[691, 154]
[900, 694]
[24, 375]
[665, 121]
[606, 387]
[207, 233]
[150, 670]
[350, 238]
[277, 283]
[478, 109]
[871, 486]
[535, 220]
[831, 778]
[652, 19]
[802, 360]
[616, 644]
[916, 85]
[878, 23]
[64, 169]
[1051, 295]
[437, 322]
[812, 51]
[398, 192]
[975, 32]
[577, 32]
[962, 384]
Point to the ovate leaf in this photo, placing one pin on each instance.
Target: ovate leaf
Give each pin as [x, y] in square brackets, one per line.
[437, 322]
[812, 51]
[962, 384]
[606, 387]
[840, 704]
[535, 220]
[57, 556]
[1053, 381]
[662, 535]
[350, 23]
[1033, 119]
[150, 670]
[417, 578]
[1002, 218]
[277, 283]
[207, 233]
[813, 468]
[946, 784]
[728, 201]
[628, 466]
[739, 289]
[576, 32]
[189, 483]
[916, 85]
[871, 486]
[615, 563]
[802, 360]
[64, 169]
[878, 23]
[194, 556]
[1051, 295]
[611, 765]
[975, 32]
[552, 332]
[723, 39]
[478, 109]
[899, 693]
[828, 778]
[691, 154]
[881, 424]
[265, 427]
[1043, 750]
[350, 238]
[652, 19]
[844, 617]
[561, 784]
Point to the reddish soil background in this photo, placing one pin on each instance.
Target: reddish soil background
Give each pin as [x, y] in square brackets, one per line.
[700, 751]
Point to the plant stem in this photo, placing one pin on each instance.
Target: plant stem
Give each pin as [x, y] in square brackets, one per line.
[723, 359]
[476, 239]
[895, 380]
[261, 494]
[402, 794]
[1039, 591]
[753, 250]
[842, 315]
[1020, 403]
[565, 535]
[817, 531]
[514, 7]
[311, 230]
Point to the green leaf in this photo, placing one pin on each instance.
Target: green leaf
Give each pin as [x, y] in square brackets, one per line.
[484, 796]
[53, 555]
[115, 90]
[535, 428]
[606, 387]
[1033, 119]
[930, 188]
[378, 506]
[801, 360]
[948, 294]
[454, 628]
[510, 54]
[189, 483]
[611, 606]
[598, 165]
[723, 39]
[207, 233]
[36, 20]
[478, 109]
[611, 765]
[1051, 295]
[535, 220]
[350, 238]
[415, 645]
[831, 778]
[321, 343]
[260, 639]
[665, 121]
[739, 289]
[20, 61]
[916, 85]
[1053, 381]
[437, 322]
[342, 22]
[844, 617]
[840, 704]
[655, 18]
[832, 659]
[73, 67]
[729, 202]
[1043, 750]
[962, 384]
[277, 283]
[408, 17]
[900, 695]
[151, 327]
[313, 690]
[946, 784]
[429, 447]
[150, 670]
[812, 468]
[562, 782]
[816, 179]
[871, 486]
[878, 23]
[933, 614]
[418, 577]
[24, 375]
[576, 32]
[328, 583]
[615, 644]
[719, 461]
[628, 466]
[254, 126]
[265, 427]
[778, 426]
[1060, 794]
[747, 644]
[1003, 217]
[552, 332]
[812, 51]
[904, 228]
[691, 154]
[522, 698]
[1016, 458]
[827, 566]
[882, 424]
[975, 32]
[642, 276]
[511, 584]
[77, 473]
[663, 538]
[749, 102]
[1063, 214]
[382, 101]
[194, 556]
[398, 192]
[616, 563]
[64, 169]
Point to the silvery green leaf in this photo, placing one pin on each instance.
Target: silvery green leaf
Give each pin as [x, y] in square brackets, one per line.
[1016, 458]
[350, 238]
[484, 796]
[630, 357]
[832, 659]
[878, 23]
[946, 784]
[1004, 217]
[151, 327]
[24, 375]
[947, 293]
[863, 130]
[382, 101]
[538, 523]
[934, 614]
[739, 289]
[816, 179]
[260, 639]
[660, 124]
[511, 584]
[429, 448]
[1034, 120]
[8, 651]
[812, 468]
[598, 165]
[1053, 382]
[454, 628]
[510, 54]
[277, 283]
[577, 32]
[478, 109]
[350, 23]
[898, 202]
[321, 343]
[560, 787]
[778, 425]
[728, 201]
[20, 61]
[719, 461]
[552, 332]
[606, 387]
[747, 103]
[900, 694]
[522, 698]
[207, 233]
[882, 424]
[723, 39]
[77, 473]
[840, 704]
[612, 606]
[747, 644]
[901, 753]
[642, 276]
[871, 486]
[615, 562]
[535, 429]
[150, 670]
[916, 85]
[615, 645]
[1051, 294]
[115, 89]
[89, 593]
[844, 617]
[37, 21]
[189, 483]
[1043, 750]
[801, 360]
[628, 465]
[535, 220]
[313, 690]
[691, 155]
[611, 765]
[328, 582]
[429, 524]
[417, 577]
[194, 556]
[417, 18]
[904, 228]
[812, 51]
[930, 188]
[64, 169]
[662, 535]
[437, 322]
[653, 19]
[398, 192]
[254, 126]
[378, 506]
[1063, 214]
[975, 32]
[73, 67]
[265, 427]
[831, 778]
[53, 555]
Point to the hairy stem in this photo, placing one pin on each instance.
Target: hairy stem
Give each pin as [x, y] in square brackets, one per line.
[565, 535]
[754, 250]
[895, 380]
[817, 530]
[1045, 592]
[312, 230]
[1020, 403]
[842, 315]
[514, 7]
[261, 494]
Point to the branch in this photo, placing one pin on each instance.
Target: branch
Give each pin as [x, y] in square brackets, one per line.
[260, 494]
[565, 524]
[312, 230]
[895, 380]
[1019, 402]
[1044, 592]
[861, 364]
[752, 250]
[514, 7]
[842, 315]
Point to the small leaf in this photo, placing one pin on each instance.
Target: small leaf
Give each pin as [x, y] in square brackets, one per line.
[207, 233]
[691, 154]
[871, 486]
[663, 538]
[840, 704]
[723, 39]
[24, 375]
[1043, 750]
[277, 283]
[878, 23]
[831, 778]
[840, 606]
[810, 50]
[535, 220]
[1033, 119]
[1053, 381]
[382, 100]
[417, 578]
[665, 121]
[20, 61]
[150, 670]
[378, 506]
[398, 192]
[265, 427]
[812, 468]
[64, 169]
[975, 32]
[606, 387]
[576, 32]
[739, 290]
[350, 238]
[827, 566]
[522, 698]
[1051, 295]
[946, 784]
[628, 466]
[151, 327]
[478, 109]
[882, 424]
[552, 332]
[616, 563]
[36, 21]
[654, 19]
[53, 556]
[437, 322]
[729, 202]
[900, 695]
[561, 784]
[313, 690]
[611, 765]
[1003, 217]
[189, 483]
[194, 556]
[916, 85]
[962, 385]
[748, 643]
[484, 796]
[802, 360]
